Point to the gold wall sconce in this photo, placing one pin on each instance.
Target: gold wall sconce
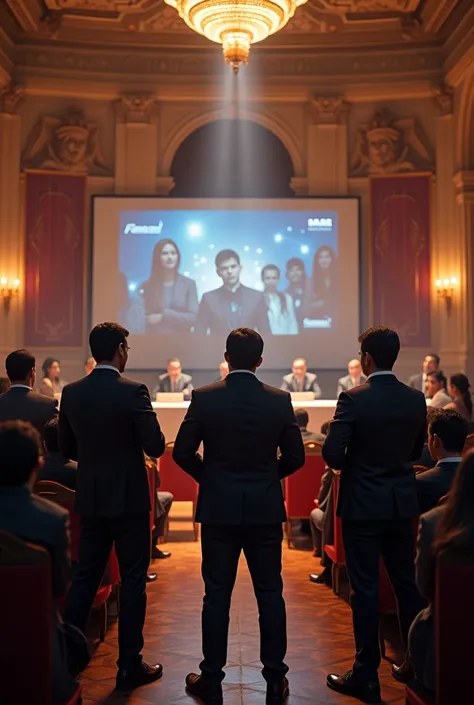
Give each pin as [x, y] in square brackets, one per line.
[8, 289]
[446, 288]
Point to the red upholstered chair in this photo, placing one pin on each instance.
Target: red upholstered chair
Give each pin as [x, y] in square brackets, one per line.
[469, 445]
[454, 625]
[302, 487]
[25, 619]
[65, 498]
[336, 551]
[179, 483]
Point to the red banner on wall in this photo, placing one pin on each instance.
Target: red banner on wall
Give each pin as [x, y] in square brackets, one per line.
[400, 218]
[54, 281]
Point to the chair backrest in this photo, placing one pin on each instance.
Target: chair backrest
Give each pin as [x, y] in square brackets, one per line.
[25, 622]
[174, 480]
[65, 497]
[302, 487]
[338, 544]
[454, 615]
[469, 445]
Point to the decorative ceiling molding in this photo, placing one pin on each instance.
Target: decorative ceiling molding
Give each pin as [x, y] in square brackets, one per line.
[328, 110]
[434, 14]
[444, 99]
[11, 97]
[349, 7]
[23, 14]
[135, 107]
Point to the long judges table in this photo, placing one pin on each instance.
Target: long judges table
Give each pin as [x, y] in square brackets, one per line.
[171, 414]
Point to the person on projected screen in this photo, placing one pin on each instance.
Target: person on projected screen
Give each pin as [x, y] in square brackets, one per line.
[233, 305]
[280, 310]
[322, 290]
[296, 275]
[170, 299]
[300, 380]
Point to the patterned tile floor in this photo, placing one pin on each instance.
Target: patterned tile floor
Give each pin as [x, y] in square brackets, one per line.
[319, 638]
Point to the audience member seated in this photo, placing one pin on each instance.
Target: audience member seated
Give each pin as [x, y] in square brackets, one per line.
[317, 518]
[89, 365]
[447, 435]
[163, 503]
[430, 364]
[353, 379]
[300, 380]
[56, 467]
[20, 402]
[223, 371]
[51, 385]
[4, 385]
[425, 458]
[302, 420]
[34, 519]
[447, 527]
[436, 390]
[174, 380]
[461, 396]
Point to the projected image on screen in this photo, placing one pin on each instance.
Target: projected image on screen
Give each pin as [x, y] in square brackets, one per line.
[209, 271]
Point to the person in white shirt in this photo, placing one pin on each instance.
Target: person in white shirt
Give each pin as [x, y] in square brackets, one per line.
[280, 309]
[430, 364]
[353, 379]
[436, 390]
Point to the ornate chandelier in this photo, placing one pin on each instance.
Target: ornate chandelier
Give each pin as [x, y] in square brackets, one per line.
[236, 24]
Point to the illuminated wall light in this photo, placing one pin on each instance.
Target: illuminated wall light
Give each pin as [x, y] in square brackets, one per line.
[9, 289]
[446, 288]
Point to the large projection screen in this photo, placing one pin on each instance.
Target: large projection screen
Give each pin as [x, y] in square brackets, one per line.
[181, 273]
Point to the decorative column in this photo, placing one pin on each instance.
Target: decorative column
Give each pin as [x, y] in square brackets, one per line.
[327, 147]
[464, 183]
[11, 260]
[136, 145]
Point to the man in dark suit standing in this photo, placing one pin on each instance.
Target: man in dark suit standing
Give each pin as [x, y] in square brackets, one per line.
[377, 431]
[174, 380]
[241, 423]
[20, 401]
[233, 304]
[447, 435]
[107, 423]
[430, 364]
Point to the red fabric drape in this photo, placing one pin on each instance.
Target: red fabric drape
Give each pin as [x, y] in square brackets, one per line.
[55, 242]
[400, 220]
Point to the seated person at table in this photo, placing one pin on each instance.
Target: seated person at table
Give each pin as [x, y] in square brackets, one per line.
[444, 528]
[34, 519]
[174, 381]
[430, 364]
[447, 435]
[317, 517]
[436, 390]
[300, 380]
[354, 379]
[425, 459]
[56, 467]
[302, 419]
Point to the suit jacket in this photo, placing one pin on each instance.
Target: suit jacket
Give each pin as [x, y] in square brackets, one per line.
[377, 432]
[425, 458]
[59, 469]
[416, 382]
[107, 423]
[34, 519]
[180, 315]
[25, 405]
[310, 384]
[425, 561]
[242, 423]
[184, 384]
[216, 318]
[346, 383]
[326, 484]
[433, 484]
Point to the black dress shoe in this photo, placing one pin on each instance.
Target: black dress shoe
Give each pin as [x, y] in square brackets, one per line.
[348, 684]
[277, 692]
[158, 553]
[323, 578]
[151, 577]
[207, 691]
[144, 674]
[403, 673]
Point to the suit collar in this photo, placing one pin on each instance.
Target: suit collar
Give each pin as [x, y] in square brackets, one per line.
[20, 388]
[104, 370]
[449, 463]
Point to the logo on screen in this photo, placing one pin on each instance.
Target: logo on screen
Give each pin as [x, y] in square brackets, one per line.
[132, 229]
[320, 224]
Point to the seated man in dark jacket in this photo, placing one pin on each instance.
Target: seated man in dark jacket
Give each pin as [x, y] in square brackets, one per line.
[447, 433]
[56, 467]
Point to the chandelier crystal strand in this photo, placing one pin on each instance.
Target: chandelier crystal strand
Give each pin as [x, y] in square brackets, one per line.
[236, 24]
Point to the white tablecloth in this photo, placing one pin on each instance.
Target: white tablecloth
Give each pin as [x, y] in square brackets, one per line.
[170, 415]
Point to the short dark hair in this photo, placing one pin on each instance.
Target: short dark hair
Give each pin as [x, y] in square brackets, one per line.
[51, 435]
[435, 357]
[244, 347]
[325, 427]
[439, 376]
[451, 428]
[224, 255]
[295, 262]
[19, 364]
[302, 417]
[4, 384]
[104, 340]
[20, 449]
[382, 344]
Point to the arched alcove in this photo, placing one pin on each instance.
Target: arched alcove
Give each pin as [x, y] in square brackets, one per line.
[232, 159]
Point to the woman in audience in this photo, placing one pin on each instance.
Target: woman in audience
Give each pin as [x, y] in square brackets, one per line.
[458, 389]
[170, 299]
[323, 285]
[445, 528]
[280, 309]
[51, 384]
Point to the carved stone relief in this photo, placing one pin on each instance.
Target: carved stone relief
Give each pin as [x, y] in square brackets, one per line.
[11, 98]
[134, 107]
[388, 145]
[328, 110]
[65, 144]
